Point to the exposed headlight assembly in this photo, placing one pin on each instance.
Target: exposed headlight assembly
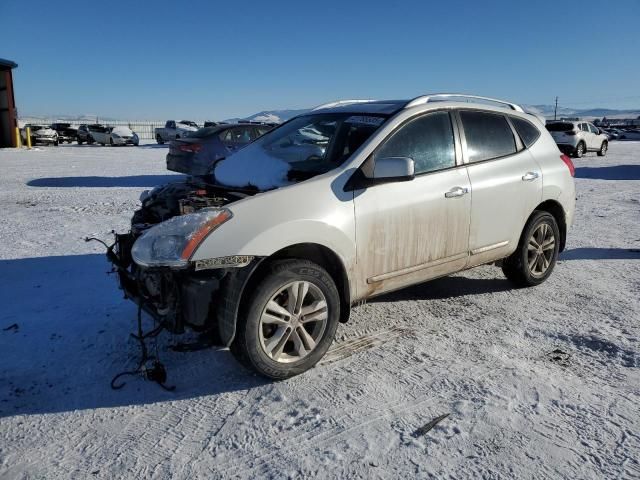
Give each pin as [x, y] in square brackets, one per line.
[172, 243]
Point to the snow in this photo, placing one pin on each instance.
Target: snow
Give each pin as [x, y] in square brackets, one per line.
[252, 166]
[469, 345]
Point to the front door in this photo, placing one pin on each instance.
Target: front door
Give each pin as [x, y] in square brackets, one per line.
[408, 232]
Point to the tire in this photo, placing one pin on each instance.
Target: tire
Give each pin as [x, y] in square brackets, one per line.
[580, 150]
[111, 141]
[159, 139]
[101, 144]
[518, 268]
[603, 149]
[55, 144]
[258, 328]
[90, 140]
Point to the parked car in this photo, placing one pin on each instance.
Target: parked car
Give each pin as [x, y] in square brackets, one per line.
[115, 136]
[43, 134]
[99, 133]
[85, 132]
[66, 132]
[271, 252]
[173, 130]
[577, 138]
[197, 154]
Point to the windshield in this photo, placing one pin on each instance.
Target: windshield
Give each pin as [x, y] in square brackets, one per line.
[188, 122]
[301, 148]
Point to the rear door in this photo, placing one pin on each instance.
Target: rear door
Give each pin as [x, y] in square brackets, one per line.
[506, 184]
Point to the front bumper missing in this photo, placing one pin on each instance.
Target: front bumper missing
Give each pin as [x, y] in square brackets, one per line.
[175, 298]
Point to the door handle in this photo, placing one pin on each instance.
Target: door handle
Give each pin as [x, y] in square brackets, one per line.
[530, 176]
[456, 192]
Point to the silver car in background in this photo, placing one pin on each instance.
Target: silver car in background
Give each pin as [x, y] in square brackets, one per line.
[578, 138]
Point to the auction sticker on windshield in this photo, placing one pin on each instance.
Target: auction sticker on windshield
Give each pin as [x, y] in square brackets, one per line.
[365, 120]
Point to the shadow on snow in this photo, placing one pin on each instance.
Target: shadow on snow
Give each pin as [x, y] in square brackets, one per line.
[615, 172]
[64, 333]
[105, 182]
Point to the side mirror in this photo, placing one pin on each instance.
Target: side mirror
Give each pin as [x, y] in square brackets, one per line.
[394, 169]
[384, 170]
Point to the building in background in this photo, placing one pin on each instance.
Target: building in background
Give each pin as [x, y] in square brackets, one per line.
[8, 111]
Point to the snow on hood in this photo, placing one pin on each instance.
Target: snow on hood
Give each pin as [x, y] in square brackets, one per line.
[122, 131]
[252, 167]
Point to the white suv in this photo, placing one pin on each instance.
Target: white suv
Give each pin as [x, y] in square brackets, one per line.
[578, 138]
[349, 201]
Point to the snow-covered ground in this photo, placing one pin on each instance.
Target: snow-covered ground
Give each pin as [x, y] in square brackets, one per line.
[469, 346]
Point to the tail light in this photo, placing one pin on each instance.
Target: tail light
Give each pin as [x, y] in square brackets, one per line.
[191, 147]
[567, 161]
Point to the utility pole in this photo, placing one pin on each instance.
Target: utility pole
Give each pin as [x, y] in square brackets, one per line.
[555, 111]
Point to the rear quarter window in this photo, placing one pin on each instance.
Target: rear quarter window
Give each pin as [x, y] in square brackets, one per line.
[527, 131]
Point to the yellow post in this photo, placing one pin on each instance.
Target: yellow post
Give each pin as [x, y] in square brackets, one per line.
[28, 134]
[18, 139]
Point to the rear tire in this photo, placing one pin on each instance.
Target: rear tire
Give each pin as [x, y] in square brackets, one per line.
[290, 320]
[580, 149]
[159, 140]
[603, 149]
[537, 252]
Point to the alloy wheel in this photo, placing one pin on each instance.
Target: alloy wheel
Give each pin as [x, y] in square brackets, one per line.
[540, 250]
[293, 322]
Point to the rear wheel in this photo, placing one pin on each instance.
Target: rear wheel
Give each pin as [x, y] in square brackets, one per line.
[290, 320]
[111, 141]
[90, 140]
[579, 152]
[537, 252]
[603, 149]
[159, 139]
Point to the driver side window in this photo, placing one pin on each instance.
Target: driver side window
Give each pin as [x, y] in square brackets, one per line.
[428, 140]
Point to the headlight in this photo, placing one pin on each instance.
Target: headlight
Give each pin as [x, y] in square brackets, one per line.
[171, 243]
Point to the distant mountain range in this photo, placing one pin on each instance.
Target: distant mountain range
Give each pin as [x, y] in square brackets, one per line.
[279, 116]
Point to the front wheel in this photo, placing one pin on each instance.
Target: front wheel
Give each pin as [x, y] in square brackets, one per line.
[290, 320]
[537, 252]
[603, 149]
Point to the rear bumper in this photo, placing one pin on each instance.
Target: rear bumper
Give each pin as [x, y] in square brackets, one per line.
[566, 148]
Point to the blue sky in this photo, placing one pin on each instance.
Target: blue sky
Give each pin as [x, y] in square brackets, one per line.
[214, 60]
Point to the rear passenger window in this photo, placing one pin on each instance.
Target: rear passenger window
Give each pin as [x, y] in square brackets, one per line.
[584, 127]
[428, 140]
[488, 135]
[527, 131]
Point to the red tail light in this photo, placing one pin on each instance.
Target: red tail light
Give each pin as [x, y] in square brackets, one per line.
[191, 147]
[567, 161]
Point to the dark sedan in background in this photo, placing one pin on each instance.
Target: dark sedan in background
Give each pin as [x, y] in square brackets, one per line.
[197, 153]
[66, 133]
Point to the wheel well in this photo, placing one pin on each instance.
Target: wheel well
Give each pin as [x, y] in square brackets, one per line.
[555, 209]
[319, 254]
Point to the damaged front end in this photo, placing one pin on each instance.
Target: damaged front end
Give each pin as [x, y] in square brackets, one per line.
[156, 272]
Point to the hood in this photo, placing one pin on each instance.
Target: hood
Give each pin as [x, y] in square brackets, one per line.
[252, 167]
[122, 131]
[45, 132]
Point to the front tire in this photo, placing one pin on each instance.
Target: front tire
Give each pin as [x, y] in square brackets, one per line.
[603, 149]
[537, 252]
[290, 320]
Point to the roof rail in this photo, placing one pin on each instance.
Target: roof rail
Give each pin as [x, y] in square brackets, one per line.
[427, 98]
[338, 103]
